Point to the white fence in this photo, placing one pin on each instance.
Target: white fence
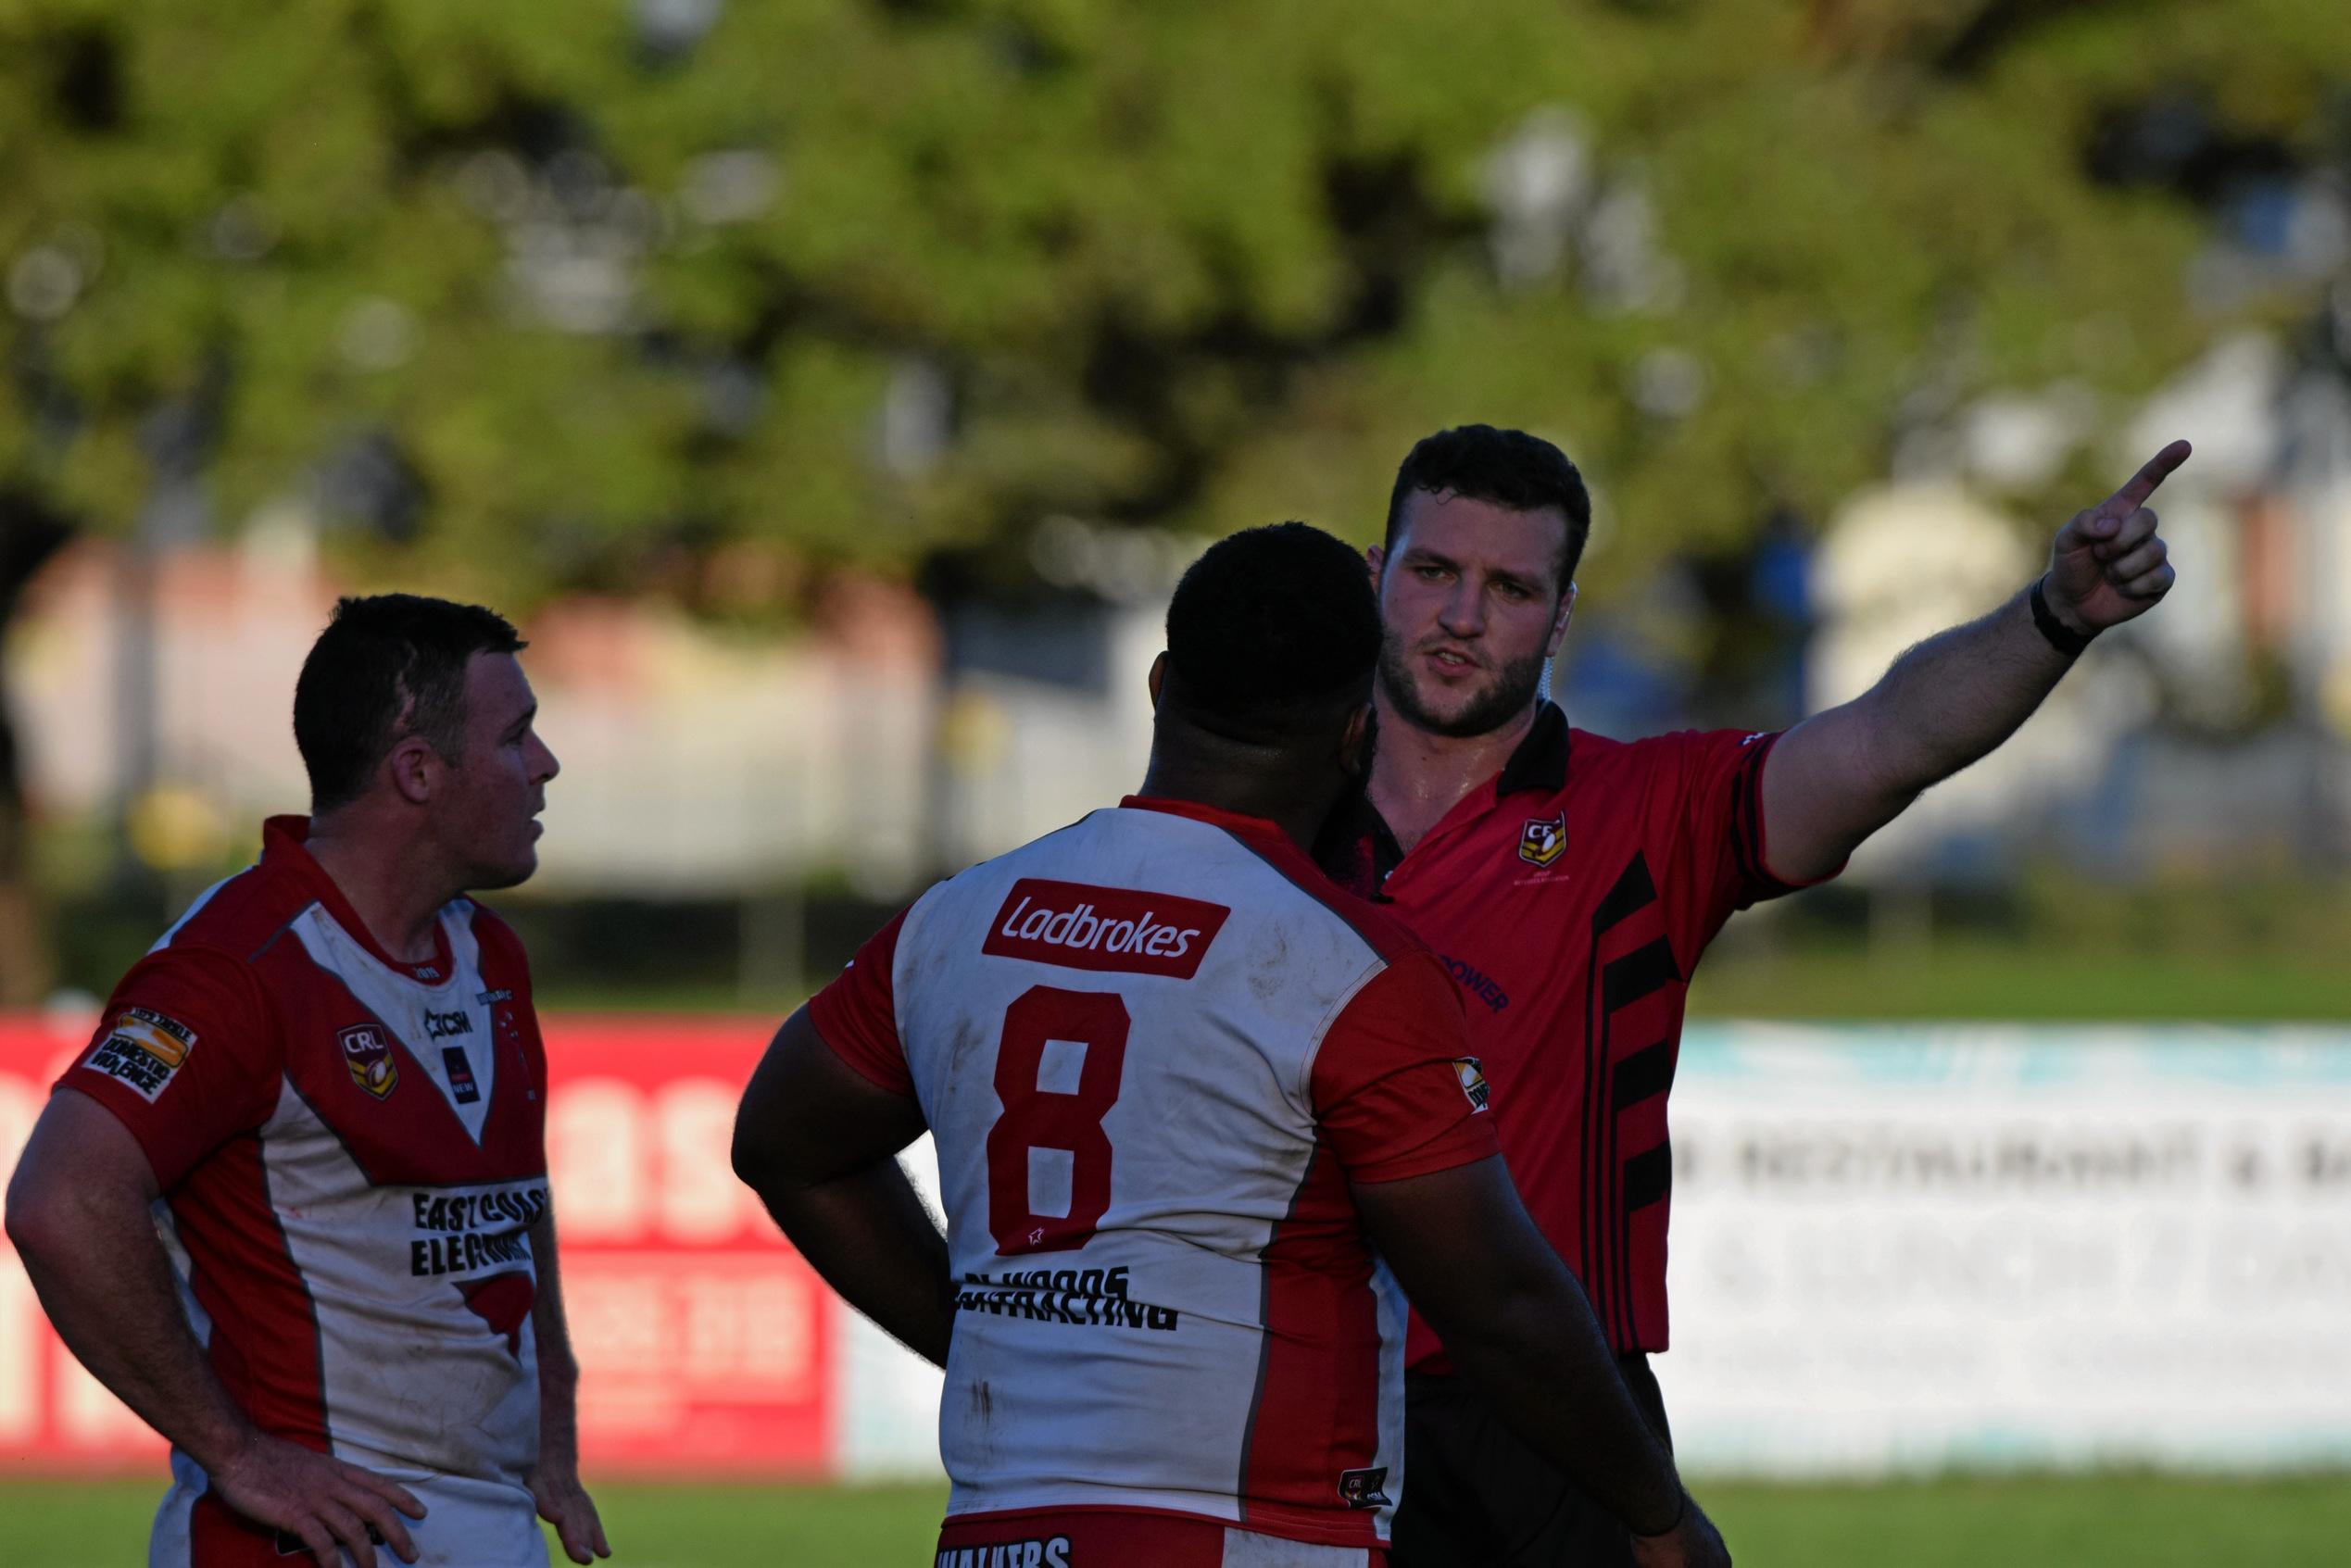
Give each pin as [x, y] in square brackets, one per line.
[1906, 1249]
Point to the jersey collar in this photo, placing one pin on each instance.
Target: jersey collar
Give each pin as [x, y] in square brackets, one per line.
[1541, 761]
[283, 849]
[1358, 850]
[1255, 829]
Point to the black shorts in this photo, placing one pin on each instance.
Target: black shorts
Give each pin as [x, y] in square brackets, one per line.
[1476, 1496]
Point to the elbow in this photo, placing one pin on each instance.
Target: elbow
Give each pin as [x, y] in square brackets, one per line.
[750, 1159]
[760, 1158]
[35, 1226]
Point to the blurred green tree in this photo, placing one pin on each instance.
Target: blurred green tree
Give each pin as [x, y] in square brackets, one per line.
[677, 294]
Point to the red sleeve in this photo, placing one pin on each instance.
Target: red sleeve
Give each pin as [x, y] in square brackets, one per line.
[857, 1015]
[1714, 840]
[1395, 1087]
[186, 1056]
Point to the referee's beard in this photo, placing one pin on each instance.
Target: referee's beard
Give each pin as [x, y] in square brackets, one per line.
[1502, 699]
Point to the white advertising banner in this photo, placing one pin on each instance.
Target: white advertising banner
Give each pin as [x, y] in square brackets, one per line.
[1899, 1249]
[1913, 1248]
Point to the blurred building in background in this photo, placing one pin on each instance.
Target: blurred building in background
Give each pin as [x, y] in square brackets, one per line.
[896, 737]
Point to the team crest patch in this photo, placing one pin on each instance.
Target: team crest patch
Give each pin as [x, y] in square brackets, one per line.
[1364, 1488]
[1472, 1073]
[1541, 841]
[142, 1049]
[368, 1054]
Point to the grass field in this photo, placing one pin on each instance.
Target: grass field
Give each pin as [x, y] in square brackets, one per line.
[2129, 1521]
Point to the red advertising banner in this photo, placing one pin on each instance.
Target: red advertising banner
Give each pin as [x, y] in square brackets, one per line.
[706, 1344]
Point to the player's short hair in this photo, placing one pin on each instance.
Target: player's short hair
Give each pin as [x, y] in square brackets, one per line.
[387, 667]
[1270, 631]
[1507, 468]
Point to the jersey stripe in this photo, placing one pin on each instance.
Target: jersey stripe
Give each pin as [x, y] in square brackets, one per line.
[269, 1299]
[1316, 1412]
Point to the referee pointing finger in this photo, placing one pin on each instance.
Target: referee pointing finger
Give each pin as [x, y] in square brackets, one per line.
[1570, 882]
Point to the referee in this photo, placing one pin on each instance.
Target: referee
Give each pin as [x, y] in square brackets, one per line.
[1570, 883]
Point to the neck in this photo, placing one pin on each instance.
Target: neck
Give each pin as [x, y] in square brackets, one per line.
[395, 891]
[1249, 780]
[1418, 775]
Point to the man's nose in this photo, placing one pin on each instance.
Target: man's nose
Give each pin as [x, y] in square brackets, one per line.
[1464, 611]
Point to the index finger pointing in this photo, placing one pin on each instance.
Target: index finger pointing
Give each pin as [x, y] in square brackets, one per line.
[2139, 486]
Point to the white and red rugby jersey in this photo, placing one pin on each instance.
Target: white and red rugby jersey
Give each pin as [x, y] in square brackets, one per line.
[351, 1151]
[1154, 1049]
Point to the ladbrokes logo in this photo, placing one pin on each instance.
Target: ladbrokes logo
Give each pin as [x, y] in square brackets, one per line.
[1104, 928]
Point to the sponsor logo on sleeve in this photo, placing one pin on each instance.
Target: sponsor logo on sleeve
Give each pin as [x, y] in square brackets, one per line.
[367, 1053]
[1542, 839]
[1364, 1488]
[143, 1048]
[1113, 928]
[1472, 1073]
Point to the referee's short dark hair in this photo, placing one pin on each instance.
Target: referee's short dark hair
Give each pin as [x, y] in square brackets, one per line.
[1273, 630]
[1507, 468]
[385, 668]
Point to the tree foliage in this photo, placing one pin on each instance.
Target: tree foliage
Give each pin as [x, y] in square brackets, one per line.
[544, 297]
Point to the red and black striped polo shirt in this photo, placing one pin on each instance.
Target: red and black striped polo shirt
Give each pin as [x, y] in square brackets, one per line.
[1571, 896]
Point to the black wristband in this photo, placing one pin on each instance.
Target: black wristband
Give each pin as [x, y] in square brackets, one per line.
[2044, 619]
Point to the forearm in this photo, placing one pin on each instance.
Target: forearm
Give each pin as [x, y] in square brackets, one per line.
[869, 1237]
[1955, 696]
[1539, 1355]
[1840, 775]
[106, 1285]
[551, 1336]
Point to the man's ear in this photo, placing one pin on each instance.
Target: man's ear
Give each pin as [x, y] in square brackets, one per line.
[1157, 678]
[1376, 560]
[413, 769]
[1559, 623]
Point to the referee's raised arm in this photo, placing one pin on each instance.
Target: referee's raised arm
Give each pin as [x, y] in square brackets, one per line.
[1844, 774]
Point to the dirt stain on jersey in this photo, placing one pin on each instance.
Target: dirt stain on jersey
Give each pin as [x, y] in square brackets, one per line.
[968, 1038]
[1268, 965]
[982, 1404]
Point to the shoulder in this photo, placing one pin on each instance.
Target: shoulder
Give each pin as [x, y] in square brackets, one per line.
[1677, 744]
[1666, 759]
[1288, 868]
[207, 961]
[237, 919]
[200, 982]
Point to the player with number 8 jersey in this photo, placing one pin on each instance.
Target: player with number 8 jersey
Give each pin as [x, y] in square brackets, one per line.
[1153, 1048]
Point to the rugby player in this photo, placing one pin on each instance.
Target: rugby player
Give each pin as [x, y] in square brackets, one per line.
[291, 1206]
[1192, 1104]
[1570, 882]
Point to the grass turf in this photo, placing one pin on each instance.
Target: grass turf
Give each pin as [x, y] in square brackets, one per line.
[2081, 1521]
